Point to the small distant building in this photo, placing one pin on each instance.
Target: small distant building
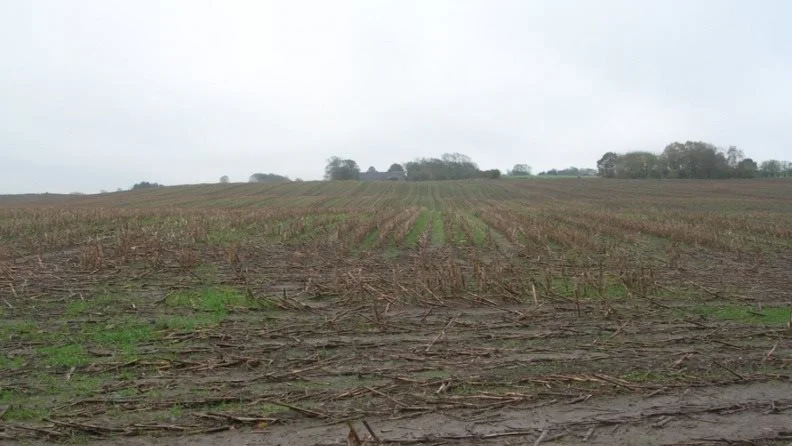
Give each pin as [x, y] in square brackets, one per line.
[382, 176]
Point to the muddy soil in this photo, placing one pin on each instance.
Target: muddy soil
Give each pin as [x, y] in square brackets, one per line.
[127, 352]
[750, 413]
[629, 372]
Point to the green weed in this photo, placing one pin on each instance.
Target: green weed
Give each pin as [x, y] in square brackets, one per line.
[223, 237]
[175, 411]
[71, 355]
[23, 329]
[771, 316]
[126, 393]
[11, 363]
[215, 300]
[81, 385]
[438, 232]
[270, 409]
[478, 230]
[189, 322]
[125, 333]
[106, 302]
[19, 408]
[411, 239]
[370, 240]
[124, 336]
[75, 308]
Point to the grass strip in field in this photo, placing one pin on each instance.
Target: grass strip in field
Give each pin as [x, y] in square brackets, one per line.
[370, 241]
[124, 336]
[69, 355]
[438, 232]
[477, 228]
[771, 316]
[421, 223]
[214, 300]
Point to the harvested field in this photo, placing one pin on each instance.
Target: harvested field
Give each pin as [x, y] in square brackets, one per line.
[459, 313]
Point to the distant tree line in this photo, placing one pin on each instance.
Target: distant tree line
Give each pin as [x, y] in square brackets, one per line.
[519, 170]
[341, 169]
[450, 166]
[692, 159]
[145, 185]
[570, 172]
[267, 178]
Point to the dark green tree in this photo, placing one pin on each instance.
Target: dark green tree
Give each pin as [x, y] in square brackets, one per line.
[694, 159]
[341, 169]
[145, 185]
[771, 168]
[520, 170]
[450, 166]
[734, 156]
[691, 159]
[606, 166]
[267, 178]
[746, 168]
[638, 165]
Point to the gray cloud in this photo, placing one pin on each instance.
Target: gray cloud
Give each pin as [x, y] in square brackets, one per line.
[98, 95]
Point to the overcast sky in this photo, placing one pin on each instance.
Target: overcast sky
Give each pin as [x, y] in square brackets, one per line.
[102, 94]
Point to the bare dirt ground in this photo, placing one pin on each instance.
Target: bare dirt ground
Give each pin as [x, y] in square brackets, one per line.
[483, 326]
[629, 370]
[753, 413]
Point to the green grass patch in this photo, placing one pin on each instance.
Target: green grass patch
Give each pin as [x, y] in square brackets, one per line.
[22, 413]
[83, 385]
[566, 287]
[126, 392]
[125, 333]
[370, 241]
[438, 232]
[478, 230]
[76, 308]
[214, 300]
[175, 411]
[124, 336]
[771, 316]
[171, 322]
[12, 363]
[20, 407]
[105, 303]
[223, 237]
[644, 377]
[23, 329]
[207, 307]
[613, 290]
[47, 390]
[70, 355]
[419, 227]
